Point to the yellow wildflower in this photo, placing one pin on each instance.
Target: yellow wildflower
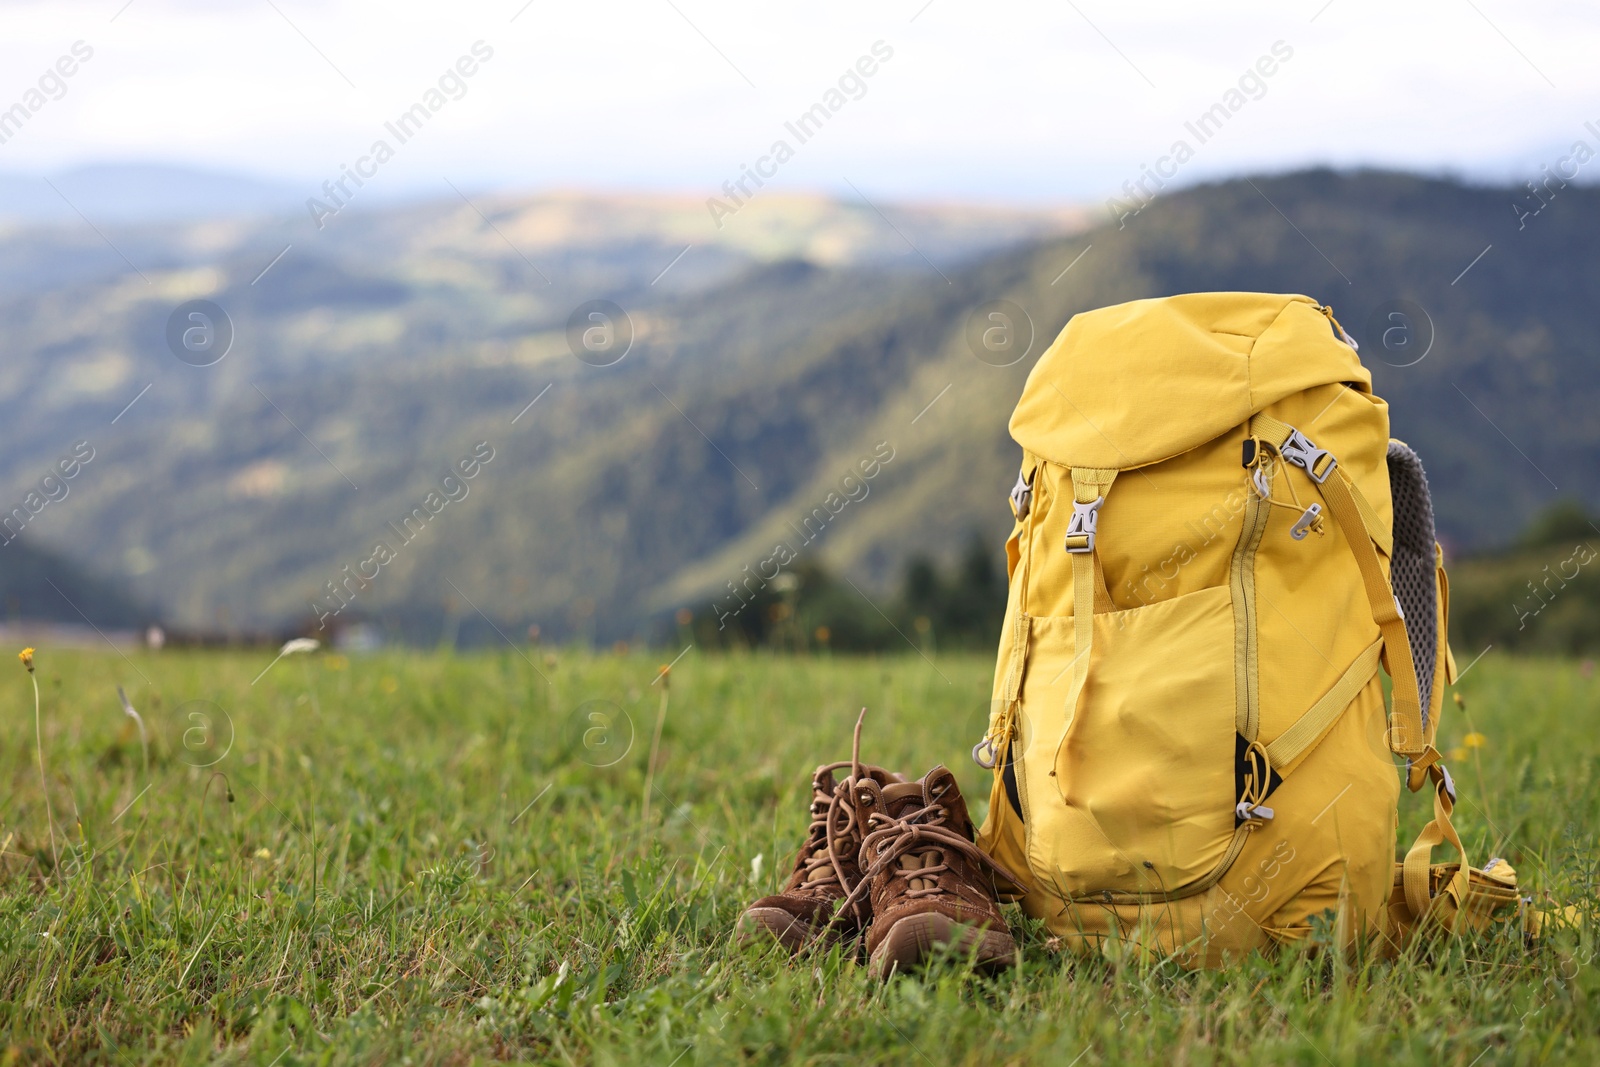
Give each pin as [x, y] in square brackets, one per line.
[1474, 740]
[26, 656]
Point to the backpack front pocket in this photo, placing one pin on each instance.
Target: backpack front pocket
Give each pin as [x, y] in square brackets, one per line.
[1132, 796]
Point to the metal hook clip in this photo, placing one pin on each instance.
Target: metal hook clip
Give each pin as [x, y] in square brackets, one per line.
[1306, 523]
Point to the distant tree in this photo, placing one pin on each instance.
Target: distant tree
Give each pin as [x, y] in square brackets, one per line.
[1564, 522]
[963, 609]
[806, 608]
[1541, 595]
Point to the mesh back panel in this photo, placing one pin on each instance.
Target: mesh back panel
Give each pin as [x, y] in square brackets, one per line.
[1412, 568]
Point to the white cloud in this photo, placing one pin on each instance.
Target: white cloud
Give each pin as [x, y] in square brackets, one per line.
[1005, 99]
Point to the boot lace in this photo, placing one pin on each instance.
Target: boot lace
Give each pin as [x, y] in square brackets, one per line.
[835, 824]
[835, 828]
[921, 834]
[921, 837]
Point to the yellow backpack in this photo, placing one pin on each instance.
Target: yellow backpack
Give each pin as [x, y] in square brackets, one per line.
[1216, 546]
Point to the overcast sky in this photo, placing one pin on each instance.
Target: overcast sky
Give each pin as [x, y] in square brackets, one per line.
[999, 100]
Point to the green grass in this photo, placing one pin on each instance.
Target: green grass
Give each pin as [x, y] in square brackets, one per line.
[419, 863]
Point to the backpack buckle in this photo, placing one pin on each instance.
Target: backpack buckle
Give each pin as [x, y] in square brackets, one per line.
[1299, 450]
[1021, 497]
[1429, 766]
[1080, 531]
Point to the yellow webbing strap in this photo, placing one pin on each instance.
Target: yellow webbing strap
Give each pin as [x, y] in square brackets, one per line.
[1102, 592]
[1406, 736]
[1088, 485]
[1083, 627]
[1381, 537]
[1415, 870]
[1020, 625]
[1444, 631]
[1309, 728]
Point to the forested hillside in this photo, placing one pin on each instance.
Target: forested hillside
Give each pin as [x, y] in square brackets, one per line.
[364, 371]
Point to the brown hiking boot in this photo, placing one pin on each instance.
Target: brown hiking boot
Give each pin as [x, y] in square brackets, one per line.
[825, 872]
[930, 884]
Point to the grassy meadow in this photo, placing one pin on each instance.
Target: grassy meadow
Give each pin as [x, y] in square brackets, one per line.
[435, 858]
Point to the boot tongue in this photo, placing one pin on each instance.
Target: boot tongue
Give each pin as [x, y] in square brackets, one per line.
[938, 788]
[881, 776]
[902, 799]
[943, 790]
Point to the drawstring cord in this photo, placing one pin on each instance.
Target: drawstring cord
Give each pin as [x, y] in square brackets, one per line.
[1257, 783]
[1269, 475]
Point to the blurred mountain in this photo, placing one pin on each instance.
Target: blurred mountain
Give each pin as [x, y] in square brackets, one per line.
[94, 222]
[38, 585]
[769, 360]
[125, 193]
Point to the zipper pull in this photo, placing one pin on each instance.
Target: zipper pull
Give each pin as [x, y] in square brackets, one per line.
[1346, 338]
[1256, 462]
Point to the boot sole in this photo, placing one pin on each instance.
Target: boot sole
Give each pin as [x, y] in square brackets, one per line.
[910, 940]
[759, 924]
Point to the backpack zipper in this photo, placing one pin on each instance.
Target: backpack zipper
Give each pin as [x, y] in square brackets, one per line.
[1242, 580]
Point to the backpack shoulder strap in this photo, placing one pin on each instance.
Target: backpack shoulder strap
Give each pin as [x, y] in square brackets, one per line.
[1364, 534]
[1409, 732]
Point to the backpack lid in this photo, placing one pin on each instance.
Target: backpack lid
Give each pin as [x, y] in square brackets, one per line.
[1136, 383]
